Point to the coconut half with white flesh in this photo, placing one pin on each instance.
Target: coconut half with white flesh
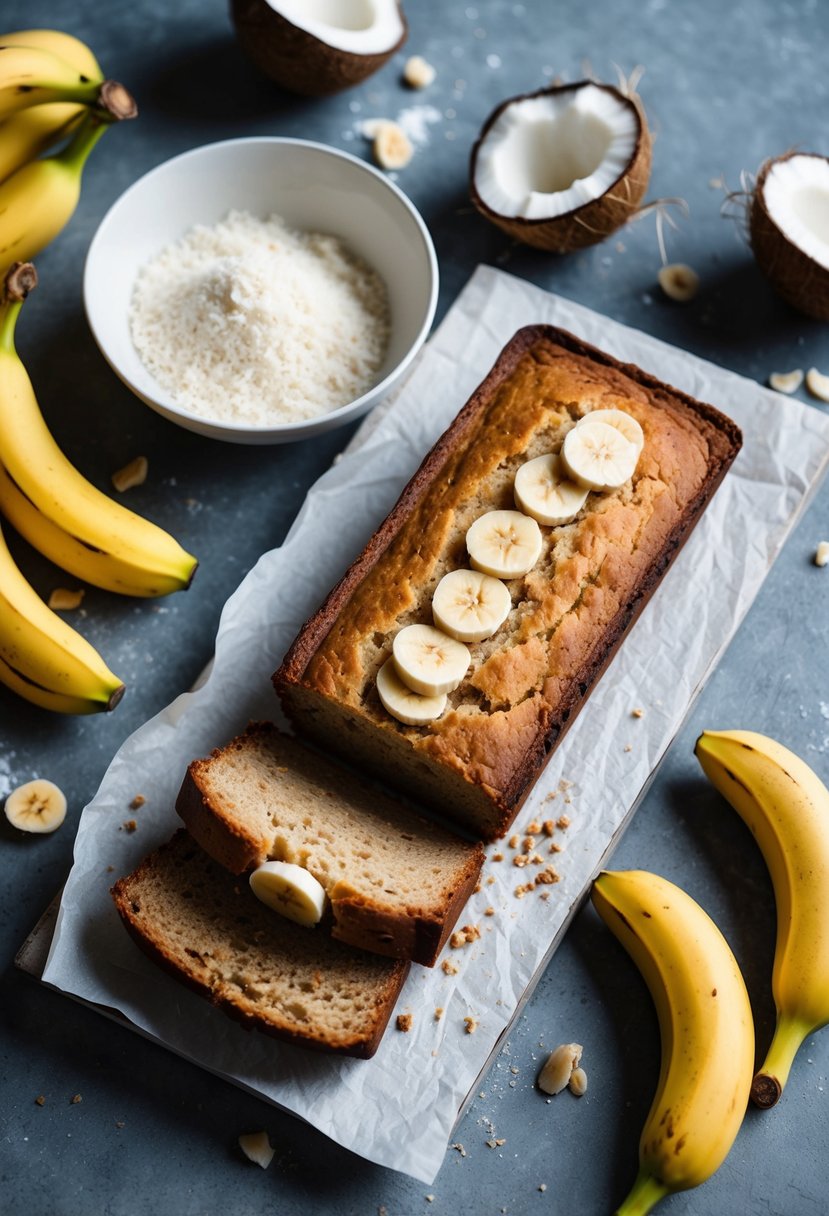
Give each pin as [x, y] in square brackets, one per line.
[789, 225]
[316, 47]
[564, 167]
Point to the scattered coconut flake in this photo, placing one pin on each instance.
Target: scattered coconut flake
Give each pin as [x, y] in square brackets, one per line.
[822, 553]
[63, 600]
[132, 474]
[818, 384]
[416, 120]
[786, 382]
[257, 1148]
[418, 74]
[392, 146]
[679, 282]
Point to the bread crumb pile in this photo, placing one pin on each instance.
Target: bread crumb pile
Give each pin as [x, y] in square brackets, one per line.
[252, 322]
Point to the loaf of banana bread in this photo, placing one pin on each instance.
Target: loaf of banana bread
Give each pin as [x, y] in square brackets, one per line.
[526, 683]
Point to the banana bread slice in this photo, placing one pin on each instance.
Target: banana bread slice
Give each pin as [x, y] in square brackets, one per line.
[526, 683]
[210, 932]
[395, 881]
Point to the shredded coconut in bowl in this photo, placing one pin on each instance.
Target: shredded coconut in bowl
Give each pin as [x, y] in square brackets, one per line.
[255, 323]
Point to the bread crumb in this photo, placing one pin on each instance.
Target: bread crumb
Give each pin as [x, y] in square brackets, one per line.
[75, 1099]
[563, 822]
[551, 796]
[132, 474]
[404, 1022]
[110, 869]
[63, 600]
[458, 1147]
[490, 880]
[471, 1024]
[520, 860]
[627, 748]
[544, 895]
[130, 825]
[555, 847]
[514, 841]
[637, 713]
[40, 1100]
[548, 827]
[533, 828]
[477, 887]
[430, 1199]
[490, 911]
[497, 856]
[543, 1186]
[493, 1143]
[536, 859]
[119, 1123]
[565, 785]
[137, 802]
[822, 553]
[548, 876]
[529, 844]
[438, 1012]
[448, 967]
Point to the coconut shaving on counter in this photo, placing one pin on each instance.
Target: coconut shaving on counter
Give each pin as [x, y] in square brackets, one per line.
[253, 322]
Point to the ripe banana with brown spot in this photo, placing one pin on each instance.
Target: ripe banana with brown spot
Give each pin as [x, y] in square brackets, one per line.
[786, 807]
[54, 506]
[706, 1029]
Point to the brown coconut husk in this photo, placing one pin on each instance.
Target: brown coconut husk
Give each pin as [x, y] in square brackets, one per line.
[297, 60]
[593, 221]
[795, 277]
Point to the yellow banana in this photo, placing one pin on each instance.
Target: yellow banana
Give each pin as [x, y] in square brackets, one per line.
[44, 659]
[121, 545]
[33, 76]
[28, 133]
[706, 1029]
[38, 201]
[786, 806]
[106, 570]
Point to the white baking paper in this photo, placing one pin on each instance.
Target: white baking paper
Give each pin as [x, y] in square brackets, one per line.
[399, 1108]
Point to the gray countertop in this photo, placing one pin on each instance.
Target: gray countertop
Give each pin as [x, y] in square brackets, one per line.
[725, 86]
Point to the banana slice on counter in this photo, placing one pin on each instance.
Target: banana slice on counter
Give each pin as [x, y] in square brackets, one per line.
[428, 661]
[544, 491]
[505, 544]
[470, 606]
[37, 806]
[399, 700]
[598, 456]
[290, 890]
[623, 422]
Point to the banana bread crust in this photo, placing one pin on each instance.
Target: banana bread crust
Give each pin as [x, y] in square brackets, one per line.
[526, 685]
[357, 916]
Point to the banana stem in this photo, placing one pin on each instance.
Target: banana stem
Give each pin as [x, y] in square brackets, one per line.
[645, 1192]
[82, 142]
[20, 280]
[769, 1082]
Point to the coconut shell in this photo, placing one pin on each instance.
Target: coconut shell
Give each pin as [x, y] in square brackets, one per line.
[297, 60]
[796, 277]
[593, 221]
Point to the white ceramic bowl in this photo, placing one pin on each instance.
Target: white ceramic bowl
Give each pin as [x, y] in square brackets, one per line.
[309, 185]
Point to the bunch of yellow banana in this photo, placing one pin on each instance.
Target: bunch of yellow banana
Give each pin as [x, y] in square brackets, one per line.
[786, 806]
[50, 87]
[75, 525]
[706, 1029]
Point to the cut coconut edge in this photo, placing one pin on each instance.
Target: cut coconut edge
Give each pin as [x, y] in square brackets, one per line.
[600, 146]
[789, 229]
[356, 27]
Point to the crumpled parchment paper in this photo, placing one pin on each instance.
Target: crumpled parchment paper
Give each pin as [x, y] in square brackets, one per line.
[399, 1108]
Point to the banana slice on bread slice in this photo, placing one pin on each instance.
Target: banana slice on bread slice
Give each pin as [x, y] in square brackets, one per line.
[290, 890]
